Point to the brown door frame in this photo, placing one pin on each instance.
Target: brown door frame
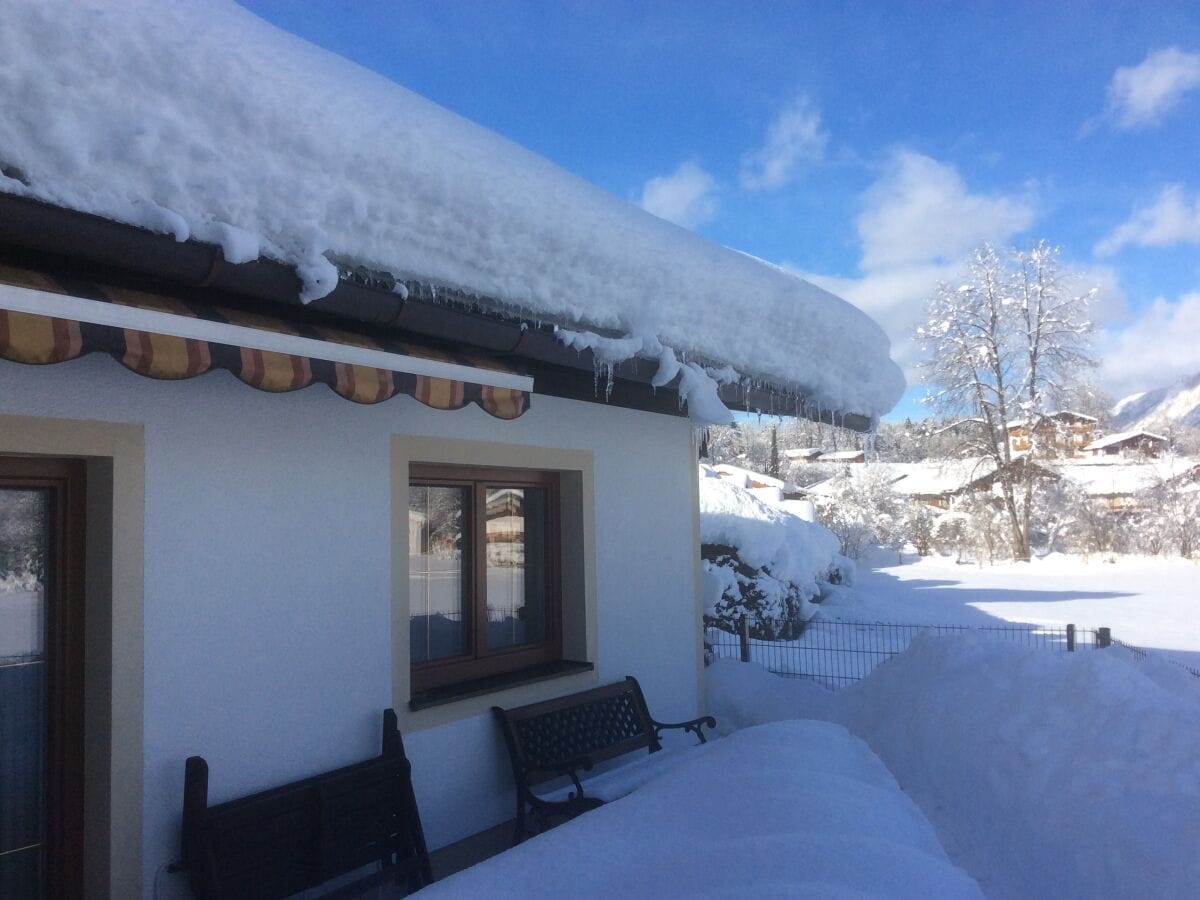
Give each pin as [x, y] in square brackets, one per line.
[66, 479]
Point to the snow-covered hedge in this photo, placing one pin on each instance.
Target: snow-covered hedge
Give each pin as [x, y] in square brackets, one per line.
[761, 561]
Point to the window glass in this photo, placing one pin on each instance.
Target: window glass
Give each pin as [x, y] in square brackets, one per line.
[516, 566]
[438, 560]
[24, 551]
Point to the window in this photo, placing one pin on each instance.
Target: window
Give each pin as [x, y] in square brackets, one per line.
[483, 572]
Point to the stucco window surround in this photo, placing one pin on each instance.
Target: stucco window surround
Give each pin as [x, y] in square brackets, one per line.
[113, 635]
[576, 538]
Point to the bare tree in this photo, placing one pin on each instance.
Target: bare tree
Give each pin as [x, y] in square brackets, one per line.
[1000, 346]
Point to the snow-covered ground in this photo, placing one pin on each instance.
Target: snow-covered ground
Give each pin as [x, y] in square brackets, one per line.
[1046, 774]
[1151, 602]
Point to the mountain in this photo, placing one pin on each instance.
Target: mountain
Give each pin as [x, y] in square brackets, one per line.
[1176, 404]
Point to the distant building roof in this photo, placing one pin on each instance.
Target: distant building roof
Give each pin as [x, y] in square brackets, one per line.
[841, 456]
[1122, 437]
[1100, 478]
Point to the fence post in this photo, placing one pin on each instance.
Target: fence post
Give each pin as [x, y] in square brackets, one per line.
[744, 636]
[1103, 637]
[1070, 638]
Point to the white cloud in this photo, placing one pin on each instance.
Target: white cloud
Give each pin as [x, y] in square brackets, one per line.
[1139, 96]
[686, 197]
[918, 226]
[794, 137]
[895, 298]
[1157, 346]
[921, 211]
[1171, 219]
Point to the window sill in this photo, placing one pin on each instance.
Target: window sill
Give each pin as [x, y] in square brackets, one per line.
[478, 687]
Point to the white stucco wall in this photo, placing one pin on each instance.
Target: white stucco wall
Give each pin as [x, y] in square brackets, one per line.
[267, 578]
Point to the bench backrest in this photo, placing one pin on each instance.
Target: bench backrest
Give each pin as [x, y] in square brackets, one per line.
[601, 723]
[279, 842]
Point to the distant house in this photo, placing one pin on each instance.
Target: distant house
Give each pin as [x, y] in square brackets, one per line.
[1123, 485]
[800, 455]
[937, 483]
[1062, 434]
[774, 488]
[1129, 445]
[303, 367]
[842, 456]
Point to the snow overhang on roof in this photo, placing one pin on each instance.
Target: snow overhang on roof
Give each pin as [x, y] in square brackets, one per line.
[202, 121]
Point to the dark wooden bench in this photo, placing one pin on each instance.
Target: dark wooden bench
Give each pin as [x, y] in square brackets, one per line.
[290, 838]
[559, 738]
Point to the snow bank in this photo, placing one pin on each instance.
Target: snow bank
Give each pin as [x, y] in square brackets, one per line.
[791, 809]
[198, 119]
[765, 535]
[743, 694]
[1046, 774]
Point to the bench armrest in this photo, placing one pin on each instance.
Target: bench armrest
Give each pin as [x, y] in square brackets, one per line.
[695, 726]
[570, 768]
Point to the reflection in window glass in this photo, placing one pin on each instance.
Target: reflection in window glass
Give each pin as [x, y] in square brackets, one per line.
[437, 572]
[516, 566]
[24, 550]
[24, 535]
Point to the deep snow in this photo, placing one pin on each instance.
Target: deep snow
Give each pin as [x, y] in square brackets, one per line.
[790, 809]
[1046, 774]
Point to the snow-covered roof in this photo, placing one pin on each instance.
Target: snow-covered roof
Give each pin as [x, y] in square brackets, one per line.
[747, 478]
[924, 479]
[1122, 437]
[200, 120]
[1075, 415]
[802, 452]
[1100, 478]
[939, 477]
[840, 455]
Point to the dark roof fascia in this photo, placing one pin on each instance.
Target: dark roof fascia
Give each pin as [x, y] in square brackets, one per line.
[429, 314]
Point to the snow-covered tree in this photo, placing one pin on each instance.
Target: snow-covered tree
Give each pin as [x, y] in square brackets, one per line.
[918, 524]
[1001, 346]
[862, 509]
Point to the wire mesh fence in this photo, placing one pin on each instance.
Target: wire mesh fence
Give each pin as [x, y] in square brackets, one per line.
[838, 653]
[1141, 654]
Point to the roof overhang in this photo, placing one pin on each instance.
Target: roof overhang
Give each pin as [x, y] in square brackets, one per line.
[429, 313]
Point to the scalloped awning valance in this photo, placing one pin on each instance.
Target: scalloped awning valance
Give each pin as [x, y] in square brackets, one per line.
[45, 319]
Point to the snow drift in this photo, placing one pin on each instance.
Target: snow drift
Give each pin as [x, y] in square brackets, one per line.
[792, 809]
[1046, 774]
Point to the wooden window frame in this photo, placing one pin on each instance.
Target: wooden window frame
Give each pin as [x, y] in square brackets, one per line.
[480, 662]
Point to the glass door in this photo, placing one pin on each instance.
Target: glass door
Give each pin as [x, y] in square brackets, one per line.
[41, 671]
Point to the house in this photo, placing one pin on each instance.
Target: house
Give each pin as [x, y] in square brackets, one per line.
[1062, 434]
[1121, 485]
[936, 483]
[842, 456]
[1129, 444]
[303, 379]
[801, 455]
[764, 485]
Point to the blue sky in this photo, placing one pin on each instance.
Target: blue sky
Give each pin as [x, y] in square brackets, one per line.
[868, 146]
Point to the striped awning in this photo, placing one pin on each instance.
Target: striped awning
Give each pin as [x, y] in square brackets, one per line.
[46, 319]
